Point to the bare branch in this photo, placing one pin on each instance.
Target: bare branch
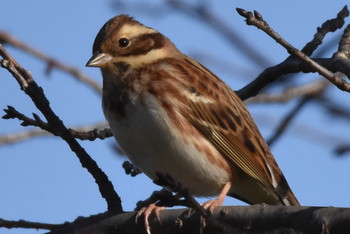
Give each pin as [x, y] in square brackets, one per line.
[167, 199]
[225, 220]
[36, 93]
[257, 20]
[204, 14]
[290, 93]
[292, 64]
[90, 132]
[32, 225]
[12, 113]
[12, 138]
[283, 125]
[98, 131]
[342, 56]
[156, 196]
[189, 200]
[328, 26]
[344, 44]
[51, 62]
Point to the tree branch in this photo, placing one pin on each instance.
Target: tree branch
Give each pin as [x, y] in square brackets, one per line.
[283, 125]
[36, 93]
[50, 62]
[331, 25]
[243, 219]
[201, 12]
[286, 95]
[10, 224]
[299, 61]
[91, 132]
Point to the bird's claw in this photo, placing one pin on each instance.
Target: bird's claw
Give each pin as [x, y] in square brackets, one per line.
[146, 212]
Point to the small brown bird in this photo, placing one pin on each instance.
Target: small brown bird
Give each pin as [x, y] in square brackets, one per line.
[173, 116]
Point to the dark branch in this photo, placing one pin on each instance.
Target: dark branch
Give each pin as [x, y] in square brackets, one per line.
[289, 66]
[298, 61]
[344, 44]
[342, 56]
[244, 219]
[329, 26]
[189, 200]
[167, 198]
[36, 93]
[92, 134]
[89, 132]
[10, 224]
[12, 113]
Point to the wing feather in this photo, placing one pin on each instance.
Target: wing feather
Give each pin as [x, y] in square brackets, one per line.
[232, 132]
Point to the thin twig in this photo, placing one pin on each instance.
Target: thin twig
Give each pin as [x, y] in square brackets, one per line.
[27, 224]
[155, 197]
[329, 26]
[168, 182]
[99, 131]
[90, 132]
[257, 20]
[291, 64]
[344, 44]
[36, 93]
[204, 14]
[342, 56]
[6, 38]
[200, 11]
[283, 125]
[290, 93]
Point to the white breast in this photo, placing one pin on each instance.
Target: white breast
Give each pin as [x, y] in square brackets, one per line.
[154, 145]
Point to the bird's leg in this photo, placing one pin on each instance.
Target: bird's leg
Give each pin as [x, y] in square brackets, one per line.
[210, 205]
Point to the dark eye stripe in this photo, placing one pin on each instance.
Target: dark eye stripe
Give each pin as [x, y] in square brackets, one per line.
[143, 44]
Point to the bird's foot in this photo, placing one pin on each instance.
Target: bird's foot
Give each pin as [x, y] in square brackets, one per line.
[146, 212]
[212, 204]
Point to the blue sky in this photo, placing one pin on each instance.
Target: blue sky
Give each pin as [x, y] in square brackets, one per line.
[41, 180]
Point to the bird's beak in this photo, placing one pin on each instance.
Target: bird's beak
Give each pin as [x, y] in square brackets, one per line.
[98, 60]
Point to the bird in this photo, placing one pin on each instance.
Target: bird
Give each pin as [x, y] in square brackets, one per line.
[173, 116]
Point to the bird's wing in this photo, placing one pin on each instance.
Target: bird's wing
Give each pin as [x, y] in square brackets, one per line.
[218, 113]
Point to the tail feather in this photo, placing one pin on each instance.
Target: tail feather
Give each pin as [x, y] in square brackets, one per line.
[286, 195]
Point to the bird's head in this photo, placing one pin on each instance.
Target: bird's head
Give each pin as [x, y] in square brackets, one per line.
[124, 40]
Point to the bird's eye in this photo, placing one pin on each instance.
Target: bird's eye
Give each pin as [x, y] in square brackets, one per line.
[123, 42]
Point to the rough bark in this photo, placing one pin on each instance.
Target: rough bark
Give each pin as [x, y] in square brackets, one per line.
[242, 219]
